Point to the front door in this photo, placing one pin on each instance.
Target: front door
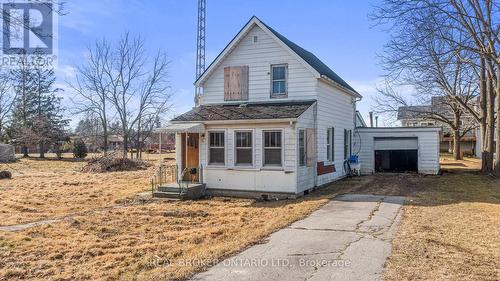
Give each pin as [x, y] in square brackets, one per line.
[192, 157]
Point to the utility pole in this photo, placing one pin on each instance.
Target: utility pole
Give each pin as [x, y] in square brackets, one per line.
[200, 49]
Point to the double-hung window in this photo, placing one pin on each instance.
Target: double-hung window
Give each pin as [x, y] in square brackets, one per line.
[243, 147]
[347, 143]
[279, 80]
[302, 148]
[216, 144]
[330, 144]
[273, 147]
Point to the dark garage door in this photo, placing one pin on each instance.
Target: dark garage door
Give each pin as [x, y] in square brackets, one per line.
[396, 161]
[396, 155]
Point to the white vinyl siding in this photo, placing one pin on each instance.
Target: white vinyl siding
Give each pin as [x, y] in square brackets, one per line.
[259, 56]
[335, 109]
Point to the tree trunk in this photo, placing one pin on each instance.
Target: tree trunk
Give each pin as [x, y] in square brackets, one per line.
[456, 145]
[105, 138]
[125, 145]
[488, 144]
[496, 131]
[42, 150]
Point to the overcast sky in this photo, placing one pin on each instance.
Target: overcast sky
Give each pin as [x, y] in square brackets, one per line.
[338, 32]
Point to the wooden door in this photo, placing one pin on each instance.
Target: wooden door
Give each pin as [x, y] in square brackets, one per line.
[192, 157]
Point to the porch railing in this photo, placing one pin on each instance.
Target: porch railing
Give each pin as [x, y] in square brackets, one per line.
[170, 174]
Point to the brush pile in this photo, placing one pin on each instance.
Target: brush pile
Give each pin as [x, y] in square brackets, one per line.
[113, 162]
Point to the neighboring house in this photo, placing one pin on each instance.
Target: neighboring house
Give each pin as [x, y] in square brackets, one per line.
[360, 122]
[273, 120]
[115, 142]
[415, 116]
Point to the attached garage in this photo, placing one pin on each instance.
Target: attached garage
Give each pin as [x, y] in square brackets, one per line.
[398, 150]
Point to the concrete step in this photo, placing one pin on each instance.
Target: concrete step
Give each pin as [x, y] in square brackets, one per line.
[161, 194]
[169, 189]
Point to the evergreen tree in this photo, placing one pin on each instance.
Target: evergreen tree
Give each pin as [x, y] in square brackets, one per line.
[37, 117]
[24, 110]
[49, 124]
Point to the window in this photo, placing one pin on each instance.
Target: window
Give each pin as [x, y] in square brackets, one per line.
[272, 148]
[347, 143]
[302, 148]
[278, 80]
[330, 144]
[243, 146]
[216, 148]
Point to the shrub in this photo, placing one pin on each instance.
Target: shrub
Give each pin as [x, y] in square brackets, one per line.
[79, 149]
[5, 175]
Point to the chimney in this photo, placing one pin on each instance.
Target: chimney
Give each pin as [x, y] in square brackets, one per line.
[371, 119]
[376, 121]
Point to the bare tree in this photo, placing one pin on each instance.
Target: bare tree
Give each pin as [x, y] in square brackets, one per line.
[7, 99]
[138, 89]
[92, 87]
[469, 27]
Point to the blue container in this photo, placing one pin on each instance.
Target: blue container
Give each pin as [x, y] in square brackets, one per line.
[353, 159]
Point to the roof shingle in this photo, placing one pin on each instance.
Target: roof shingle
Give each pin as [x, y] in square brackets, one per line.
[245, 111]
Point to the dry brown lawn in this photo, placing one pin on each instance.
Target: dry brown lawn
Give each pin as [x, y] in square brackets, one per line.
[142, 240]
[450, 229]
[42, 189]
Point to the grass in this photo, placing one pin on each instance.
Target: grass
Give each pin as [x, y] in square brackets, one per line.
[42, 189]
[450, 227]
[146, 240]
[450, 230]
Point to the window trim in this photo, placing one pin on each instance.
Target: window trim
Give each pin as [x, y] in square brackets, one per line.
[264, 165]
[209, 163]
[304, 147]
[252, 147]
[279, 95]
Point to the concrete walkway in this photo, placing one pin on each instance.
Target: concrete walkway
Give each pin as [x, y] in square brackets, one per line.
[347, 239]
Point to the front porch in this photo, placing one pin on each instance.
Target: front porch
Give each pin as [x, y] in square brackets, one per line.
[183, 180]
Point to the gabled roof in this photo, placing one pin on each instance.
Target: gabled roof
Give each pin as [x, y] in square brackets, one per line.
[413, 111]
[245, 111]
[310, 61]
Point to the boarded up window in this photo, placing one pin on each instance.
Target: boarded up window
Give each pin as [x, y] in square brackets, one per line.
[235, 83]
[310, 146]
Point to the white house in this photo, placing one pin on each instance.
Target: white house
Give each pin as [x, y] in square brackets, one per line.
[273, 120]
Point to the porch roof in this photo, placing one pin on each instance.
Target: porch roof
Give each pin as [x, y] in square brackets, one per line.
[182, 128]
[246, 111]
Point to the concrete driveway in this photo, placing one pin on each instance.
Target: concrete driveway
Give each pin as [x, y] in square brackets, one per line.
[347, 239]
